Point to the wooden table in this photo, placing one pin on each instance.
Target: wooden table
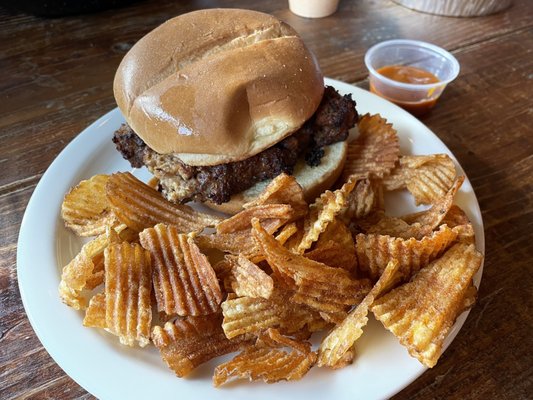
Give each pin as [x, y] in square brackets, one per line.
[57, 78]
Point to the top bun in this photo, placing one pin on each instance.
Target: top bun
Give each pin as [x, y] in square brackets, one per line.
[216, 86]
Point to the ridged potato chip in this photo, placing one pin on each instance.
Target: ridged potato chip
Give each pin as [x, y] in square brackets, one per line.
[398, 228]
[284, 189]
[83, 272]
[184, 281]
[139, 206]
[241, 220]
[85, 208]
[340, 340]
[189, 342]
[128, 310]
[428, 178]
[95, 313]
[317, 285]
[459, 222]
[334, 255]
[338, 232]
[273, 338]
[249, 315]
[364, 199]
[335, 247]
[248, 280]
[239, 242]
[433, 217]
[421, 312]
[374, 251]
[375, 151]
[322, 212]
[264, 362]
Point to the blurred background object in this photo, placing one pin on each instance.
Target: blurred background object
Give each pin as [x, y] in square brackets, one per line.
[59, 8]
[456, 8]
[313, 8]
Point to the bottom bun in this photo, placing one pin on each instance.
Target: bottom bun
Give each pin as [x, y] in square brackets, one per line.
[314, 180]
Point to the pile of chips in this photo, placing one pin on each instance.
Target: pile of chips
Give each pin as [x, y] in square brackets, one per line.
[264, 280]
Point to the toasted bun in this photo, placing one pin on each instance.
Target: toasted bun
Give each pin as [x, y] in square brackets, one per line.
[216, 86]
[314, 180]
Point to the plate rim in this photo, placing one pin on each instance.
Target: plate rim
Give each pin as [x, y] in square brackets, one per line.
[44, 182]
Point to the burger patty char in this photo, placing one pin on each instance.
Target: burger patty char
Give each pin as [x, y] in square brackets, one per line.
[180, 182]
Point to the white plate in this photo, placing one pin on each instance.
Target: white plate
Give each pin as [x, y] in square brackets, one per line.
[108, 370]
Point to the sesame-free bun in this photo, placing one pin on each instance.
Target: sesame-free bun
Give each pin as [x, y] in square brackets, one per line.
[216, 86]
[314, 180]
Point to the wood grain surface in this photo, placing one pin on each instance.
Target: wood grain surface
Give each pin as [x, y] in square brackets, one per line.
[57, 78]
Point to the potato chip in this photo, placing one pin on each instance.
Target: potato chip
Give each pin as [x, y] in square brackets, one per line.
[85, 208]
[322, 212]
[335, 247]
[264, 361]
[239, 242]
[347, 359]
[95, 313]
[269, 365]
[428, 178]
[375, 151]
[184, 281]
[189, 342]
[273, 338]
[374, 251]
[338, 232]
[286, 232]
[241, 220]
[334, 255]
[433, 217]
[459, 222]
[128, 311]
[139, 206]
[284, 189]
[397, 227]
[341, 339]
[249, 280]
[364, 199]
[421, 312]
[78, 275]
[317, 285]
[248, 315]
[97, 276]
[470, 297]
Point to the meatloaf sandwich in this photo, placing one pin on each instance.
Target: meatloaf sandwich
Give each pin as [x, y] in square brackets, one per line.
[218, 102]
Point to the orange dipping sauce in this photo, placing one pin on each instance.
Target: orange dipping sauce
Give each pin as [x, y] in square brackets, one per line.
[413, 75]
[406, 74]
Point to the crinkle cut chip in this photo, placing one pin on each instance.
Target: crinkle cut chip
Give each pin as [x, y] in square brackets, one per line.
[248, 280]
[421, 312]
[139, 206]
[184, 281]
[427, 177]
[85, 208]
[316, 285]
[338, 344]
[189, 342]
[324, 211]
[264, 361]
[128, 277]
[375, 151]
[374, 251]
[249, 315]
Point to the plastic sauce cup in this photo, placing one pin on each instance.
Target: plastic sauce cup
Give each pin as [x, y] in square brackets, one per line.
[415, 98]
